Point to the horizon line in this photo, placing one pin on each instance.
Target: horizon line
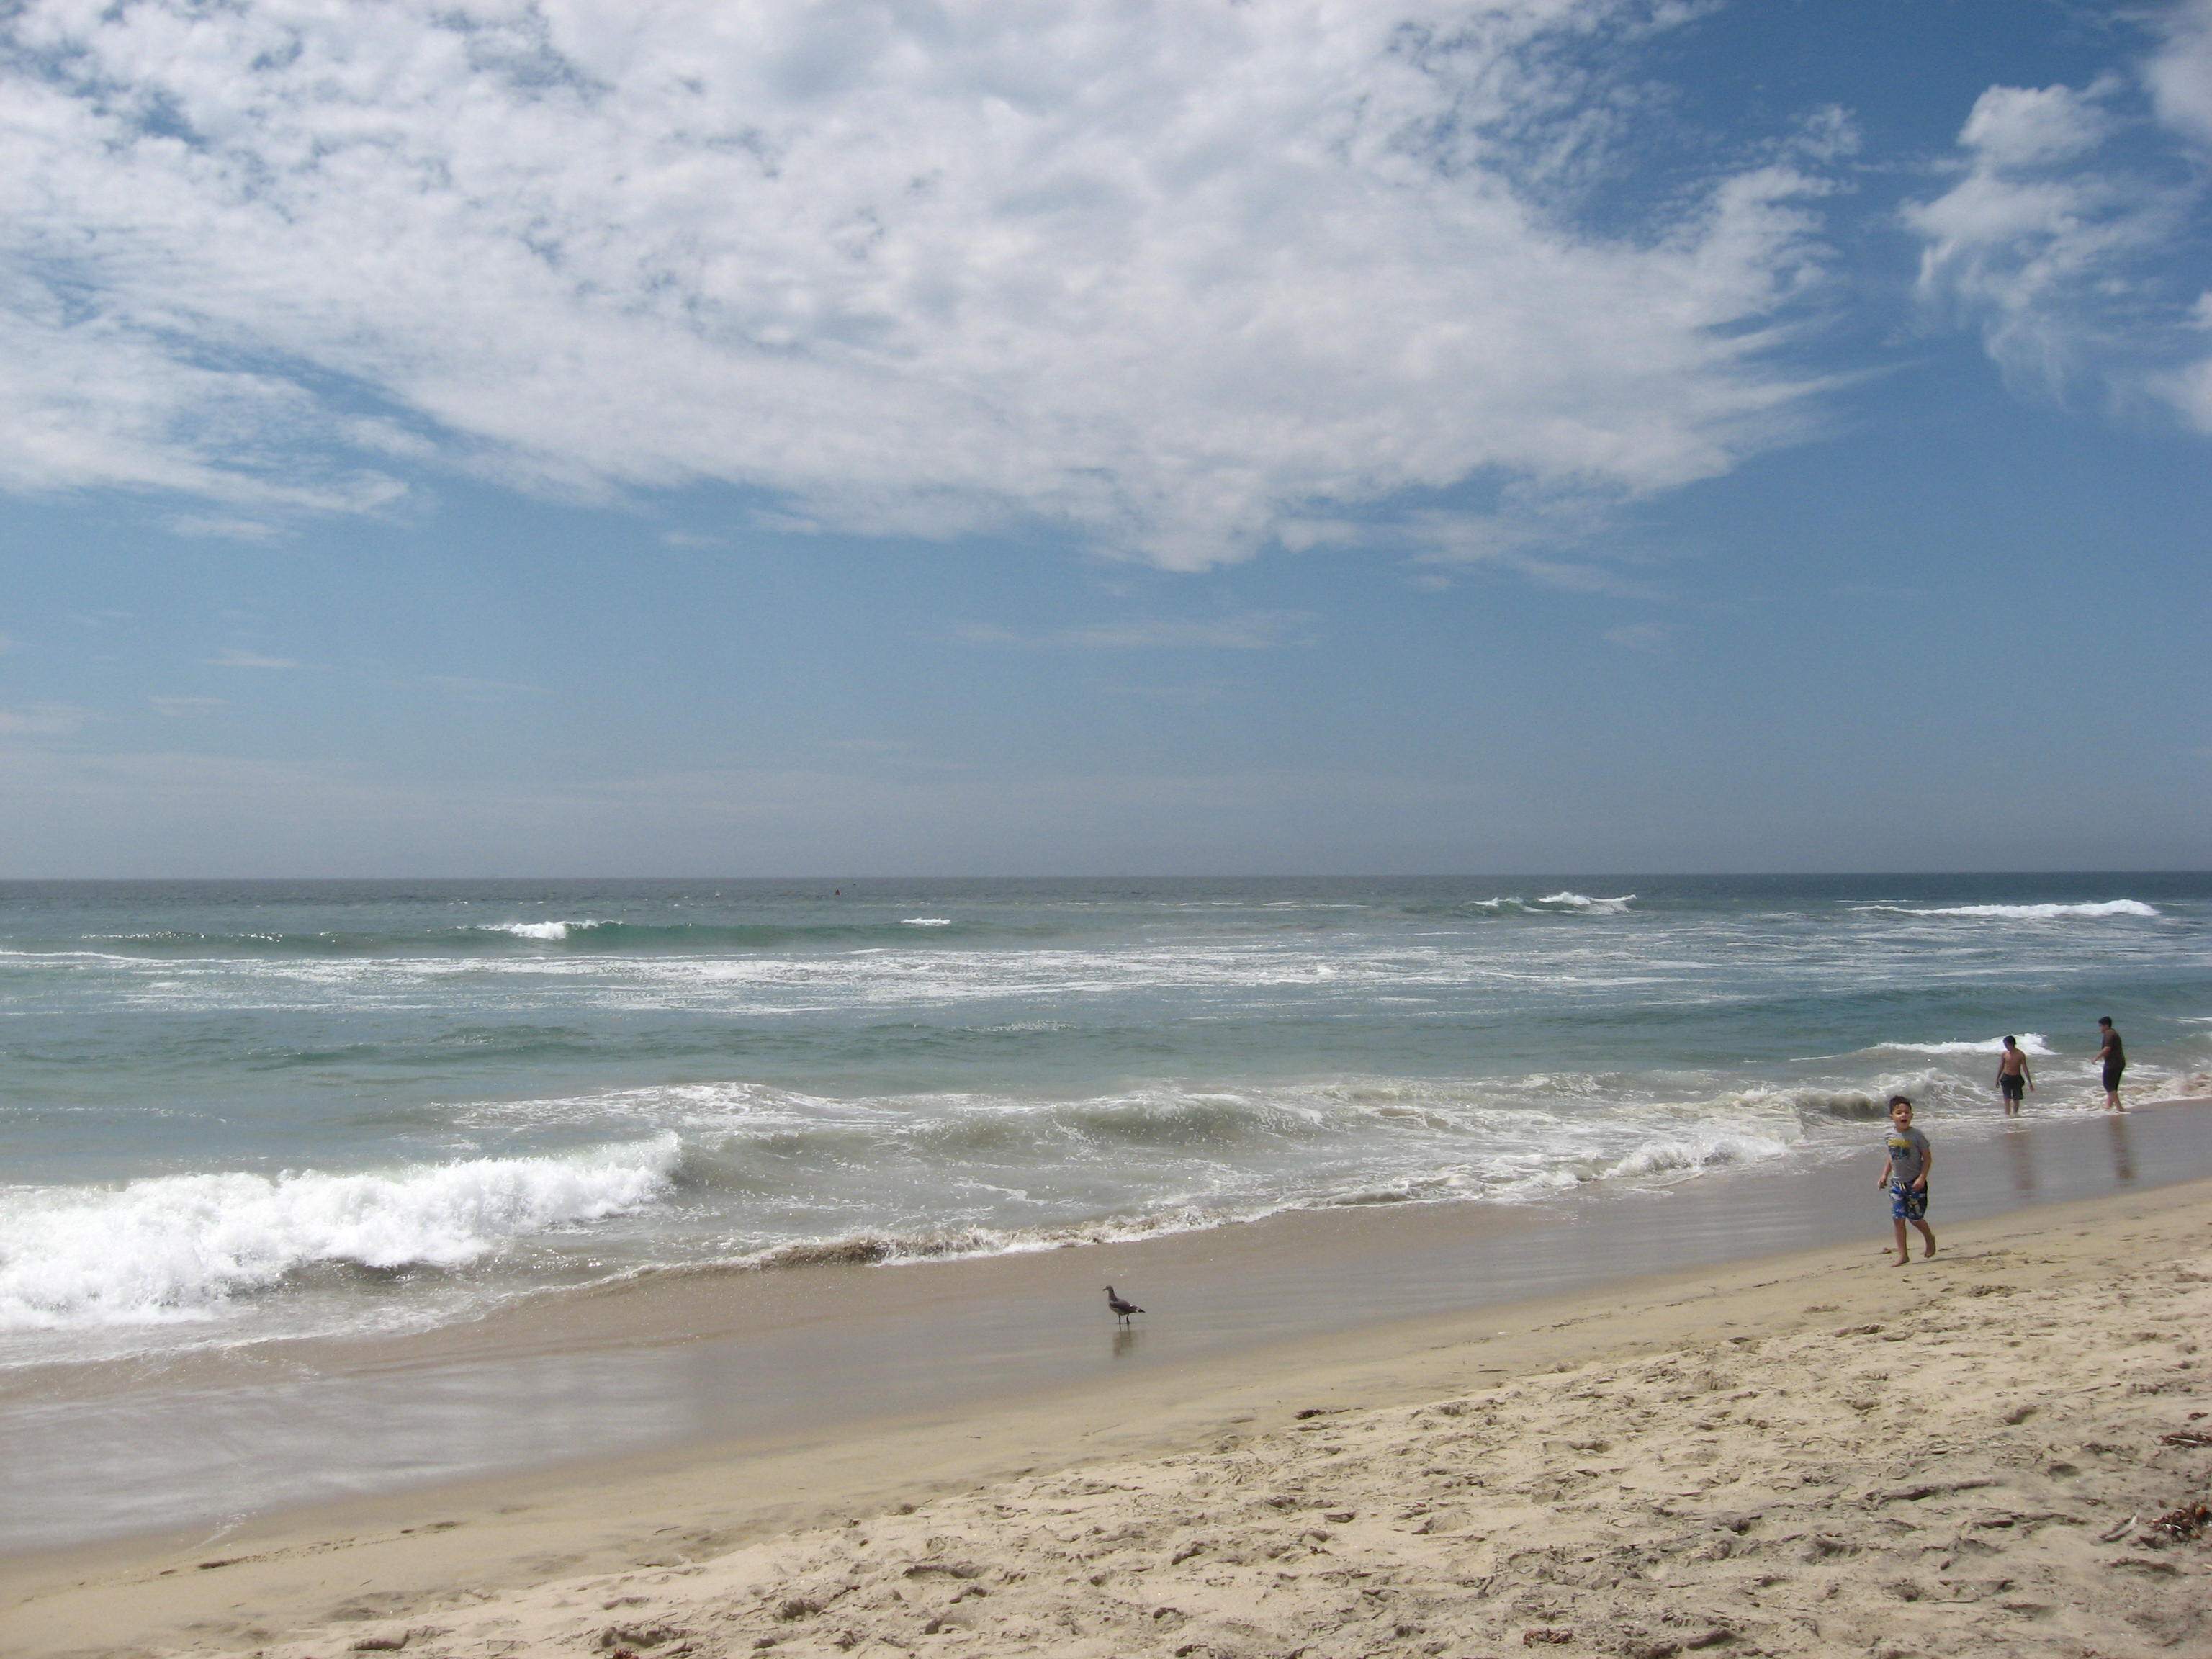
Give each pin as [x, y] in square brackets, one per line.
[1246, 875]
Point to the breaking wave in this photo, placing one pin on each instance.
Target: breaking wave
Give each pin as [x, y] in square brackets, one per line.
[2096, 912]
[179, 1247]
[1553, 904]
[551, 933]
[2032, 1043]
[597, 935]
[1584, 904]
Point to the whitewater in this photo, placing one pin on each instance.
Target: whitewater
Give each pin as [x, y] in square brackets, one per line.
[238, 1112]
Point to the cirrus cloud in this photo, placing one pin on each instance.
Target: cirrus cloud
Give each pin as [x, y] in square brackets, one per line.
[2056, 239]
[1182, 277]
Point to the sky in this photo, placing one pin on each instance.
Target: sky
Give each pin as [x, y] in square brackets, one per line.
[679, 437]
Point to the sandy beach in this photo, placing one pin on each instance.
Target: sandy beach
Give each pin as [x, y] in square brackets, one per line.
[1809, 1453]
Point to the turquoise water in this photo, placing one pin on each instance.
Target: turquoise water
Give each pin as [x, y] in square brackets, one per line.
[231, 1111]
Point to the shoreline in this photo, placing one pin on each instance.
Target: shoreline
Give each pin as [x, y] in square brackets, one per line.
[662, 1303]
[688, 1499]
[688, 1359]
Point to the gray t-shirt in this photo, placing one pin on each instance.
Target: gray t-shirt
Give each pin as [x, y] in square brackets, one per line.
[1908, 1155]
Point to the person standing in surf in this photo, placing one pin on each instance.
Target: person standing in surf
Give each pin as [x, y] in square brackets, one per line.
[1905, 1175]
[2013, 1078]
[2112, 1059]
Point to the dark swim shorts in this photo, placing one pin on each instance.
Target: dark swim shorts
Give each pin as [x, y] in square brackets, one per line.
[2112, 1077]
[2011, 1088]
[1908, 1203]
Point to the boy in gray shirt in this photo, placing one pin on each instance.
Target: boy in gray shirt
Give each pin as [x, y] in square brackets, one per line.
[1905, 1175]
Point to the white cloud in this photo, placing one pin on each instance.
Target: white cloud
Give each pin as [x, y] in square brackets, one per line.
[2179, 73]
[2189, 388]
[2054, 239]
[2025, 126]
[1182, 277]
[249, 659]
[97, 389]
[2023, 242]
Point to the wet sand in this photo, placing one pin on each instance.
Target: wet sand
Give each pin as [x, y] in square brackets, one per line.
[195, 1446]
[674, 1420]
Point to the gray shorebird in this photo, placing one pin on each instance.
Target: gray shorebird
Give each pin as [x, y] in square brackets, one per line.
[1122, 1308]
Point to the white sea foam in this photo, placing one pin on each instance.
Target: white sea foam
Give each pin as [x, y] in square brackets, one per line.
[1018, 1160]
[1571, 1156]
[2096, 912]
[1584, 904]
[550, 932]
[691, 1109]
[1688, 1154]
[179, 1247]
[926, 921]
[2031, 1042]
[1678, 1153]
[799, 983]
[892, 1249]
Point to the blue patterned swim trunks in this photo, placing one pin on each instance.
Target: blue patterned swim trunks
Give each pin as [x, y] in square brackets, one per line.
[1908, 1203]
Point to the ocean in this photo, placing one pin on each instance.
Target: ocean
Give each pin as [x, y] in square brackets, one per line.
[234, 1112]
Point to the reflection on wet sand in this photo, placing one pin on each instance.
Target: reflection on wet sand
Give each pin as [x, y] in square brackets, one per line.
[2123, 1151]
[2020, 1157]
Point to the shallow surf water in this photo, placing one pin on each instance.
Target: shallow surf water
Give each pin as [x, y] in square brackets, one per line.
[664, 1367]
[239, 1112]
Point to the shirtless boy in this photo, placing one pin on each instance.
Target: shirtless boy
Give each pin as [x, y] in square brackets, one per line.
[2013, 1078]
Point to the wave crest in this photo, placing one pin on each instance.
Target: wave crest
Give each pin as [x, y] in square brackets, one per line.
[2092, 912]
[1583, 904]
[2032, 1043]
[179, 1247]
[551, 933]
[1562, 903]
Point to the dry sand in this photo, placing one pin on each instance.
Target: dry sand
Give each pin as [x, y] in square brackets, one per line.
[1813, 1455]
